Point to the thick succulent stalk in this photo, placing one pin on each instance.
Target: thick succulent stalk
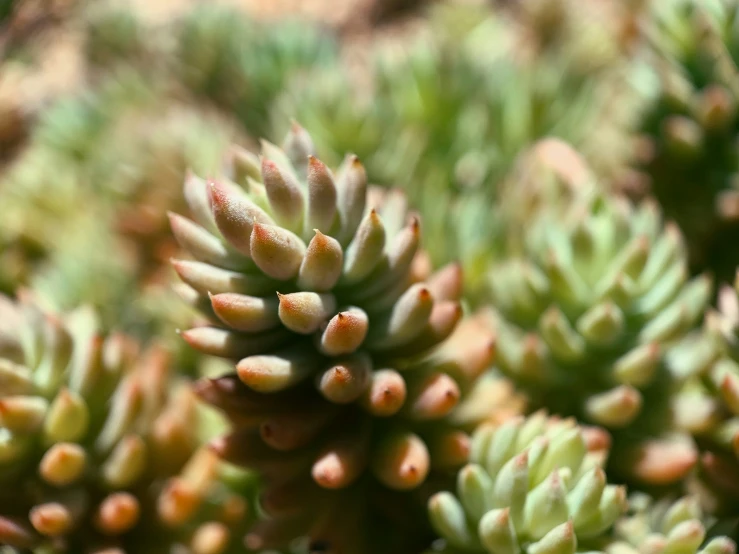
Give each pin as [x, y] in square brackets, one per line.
[347, 362]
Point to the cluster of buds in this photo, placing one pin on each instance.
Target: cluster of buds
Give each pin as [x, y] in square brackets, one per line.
[345, 349]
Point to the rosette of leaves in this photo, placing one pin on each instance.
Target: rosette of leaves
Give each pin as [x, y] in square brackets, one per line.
[690, 130]
[533, 485]
[98, 448]
[347, 368]
[586, 315]
[241, 64]
[32, 219]
[666, 526]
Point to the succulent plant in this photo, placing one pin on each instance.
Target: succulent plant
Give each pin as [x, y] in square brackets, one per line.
[533, 485]
[665, 526]
[689, 147]
[586, 316]
[707, 404]
[590, 37]
[99, 445]
[345, 375]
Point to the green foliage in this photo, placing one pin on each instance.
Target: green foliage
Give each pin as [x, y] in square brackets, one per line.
[121, 151]
[356, 386]
[114, 33]
[599, 297]
[242, 65]
[666, 526]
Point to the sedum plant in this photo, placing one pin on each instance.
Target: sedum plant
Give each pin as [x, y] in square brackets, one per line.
[690, 130]
[533, 485]
[590, 37]
[121, 148]
[708, 404]
[119, 33]
[347, 366]
[99, 445]
[665, 526]
[586, 315]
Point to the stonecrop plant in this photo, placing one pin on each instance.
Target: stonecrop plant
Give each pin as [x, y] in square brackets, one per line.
[99, 448]
[689, 132]
[595, 302]
[532, 485]
[666, 526]
[347, 364]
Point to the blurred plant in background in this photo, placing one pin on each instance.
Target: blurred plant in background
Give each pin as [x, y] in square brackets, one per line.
[688, 149]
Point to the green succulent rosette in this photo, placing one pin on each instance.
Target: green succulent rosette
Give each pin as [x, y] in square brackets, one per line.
[533, 485]
[347, 364]
[707, 405]
[242, 65]
[586, 315]
[114, 33]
